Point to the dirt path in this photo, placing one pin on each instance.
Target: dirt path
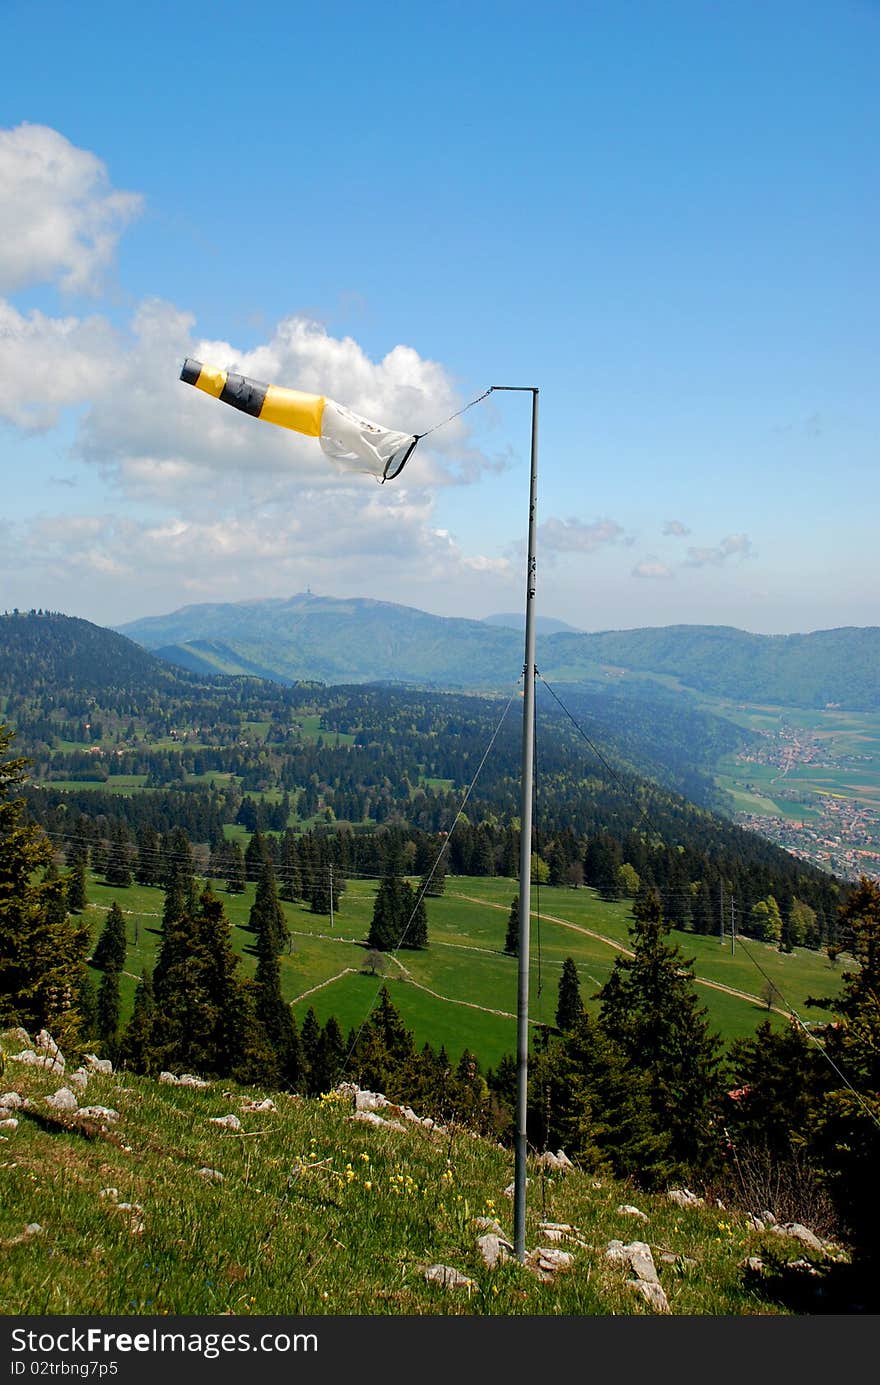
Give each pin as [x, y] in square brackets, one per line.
[627, 952]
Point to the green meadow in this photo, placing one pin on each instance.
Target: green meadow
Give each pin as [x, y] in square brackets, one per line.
[461, 990]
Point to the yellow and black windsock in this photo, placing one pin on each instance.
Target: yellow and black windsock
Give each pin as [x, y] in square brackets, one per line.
[350, 440]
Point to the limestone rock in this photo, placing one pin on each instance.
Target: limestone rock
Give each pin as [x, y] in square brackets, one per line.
[494, 1249]
[372, 1118]
[558, 1162]
[189, 1079]
[229, 1122]
[652, 1292]
[168, 1079]
[62, 1100]
[488, 1224]
[683, 1197]
[210, 1175]
[627, 1210]
[369, 1101]
[96, 1064]
[35, 1060]
[754, 1222]
[46, 1045]
[637, 1255]
[111, 1193]
[800, 1233]
[266, 1105]
[449, 1277]
[8, 1122]
[98, 1113]
[555, 1231]
[768, 1218]
[78, 1079]
[11, 1038]
[547, 1261]
[11, 1101]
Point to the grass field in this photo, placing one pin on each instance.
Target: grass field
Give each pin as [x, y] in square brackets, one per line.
[461, 990]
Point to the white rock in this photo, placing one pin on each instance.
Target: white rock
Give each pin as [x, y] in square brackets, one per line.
[369, 1101]
[189, 1079]
[33, 1229]
[800, 1233]
[167, 1079]
[628, 1210]
[768, 1218]
[637, 1255]
[111, 1193]
[96, 1064]
[62, 1100]
[17, 1035]
[45, 1044]
[755, 1222]
[8, 1123]
[11, 1100]
[652, 1291]
[210, 1175]
[683, 1197]
[229, 1122]
[547, 1261]
[555, 1231]
[558, 1162]
[371, 1118]
[494, 1249]
[447, 1276]
[266, 1105]
[35, 1060]
[79, 1079]
[105, 1113]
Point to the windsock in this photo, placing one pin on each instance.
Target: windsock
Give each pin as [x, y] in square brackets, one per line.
[350, 440]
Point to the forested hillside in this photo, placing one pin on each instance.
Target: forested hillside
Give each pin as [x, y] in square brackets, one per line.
[359, 640]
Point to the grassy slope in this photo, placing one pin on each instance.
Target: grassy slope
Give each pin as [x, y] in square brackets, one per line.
[350, 1234]
[464, 966]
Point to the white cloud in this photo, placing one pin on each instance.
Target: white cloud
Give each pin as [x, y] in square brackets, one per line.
[676, 528]
[734, 545]
[47, 363]
[651, 567]
[573, 536]
[61, 217]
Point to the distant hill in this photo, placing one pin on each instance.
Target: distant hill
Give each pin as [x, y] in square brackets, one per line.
[57, 654]
[361, 640]
[544, 625]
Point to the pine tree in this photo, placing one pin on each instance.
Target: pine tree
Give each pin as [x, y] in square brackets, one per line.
[77, 897]
[389, 915]
[414, 919]
[148, 864]
[136, 1045]
[649, 1008]
[108, 1006]
[570, 1007]
[266, 917]
[236, 879]
[118, 871]
[310, 1046]
[254, 856]
[274, 1013]
[42, 949]
[109, 954]
[289, 870]
[511, 937]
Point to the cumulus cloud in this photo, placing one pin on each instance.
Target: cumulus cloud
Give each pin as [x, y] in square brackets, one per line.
[676, 528]
[62, 219]
[734, 545]
[47, 363]
[651, 567]
[573, 536]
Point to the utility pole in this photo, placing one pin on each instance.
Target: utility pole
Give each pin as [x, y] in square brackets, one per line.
[331, 894]
[721, 910]
[732, 929]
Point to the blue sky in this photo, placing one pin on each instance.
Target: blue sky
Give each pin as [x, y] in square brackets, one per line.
[665, 215]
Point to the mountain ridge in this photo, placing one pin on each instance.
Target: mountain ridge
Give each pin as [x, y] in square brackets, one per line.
[359, 639]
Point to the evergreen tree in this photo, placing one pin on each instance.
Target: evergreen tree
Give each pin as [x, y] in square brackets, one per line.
[511, 937]
[77, 897]
[414, 919]
[108, 1006]
[650, 1010]
[274, 1014]
[266, 917]
[109, 954]
[433, 881]
[236, 878]
[390, 914]
[310, 1042]
[42, 950]
[289, 870]
[118, 871]
[136, 1045]
[255, 856]
[570, 1007]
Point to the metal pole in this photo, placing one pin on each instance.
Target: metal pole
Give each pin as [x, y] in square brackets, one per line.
[732, 929]
[331, 894]
[525, 853]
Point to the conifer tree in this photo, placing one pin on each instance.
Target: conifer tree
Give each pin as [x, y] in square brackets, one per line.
[570, 1007]
[109, 954]
[236, 879]
[266, 917]
[77, 897]
[42, 949]
[136, 1045]
[255, 855]
[108, 1006]
[290, 874]
[274, 1013]
[511, 937]
[118, 871]
[389, 914]
[649, 1008]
